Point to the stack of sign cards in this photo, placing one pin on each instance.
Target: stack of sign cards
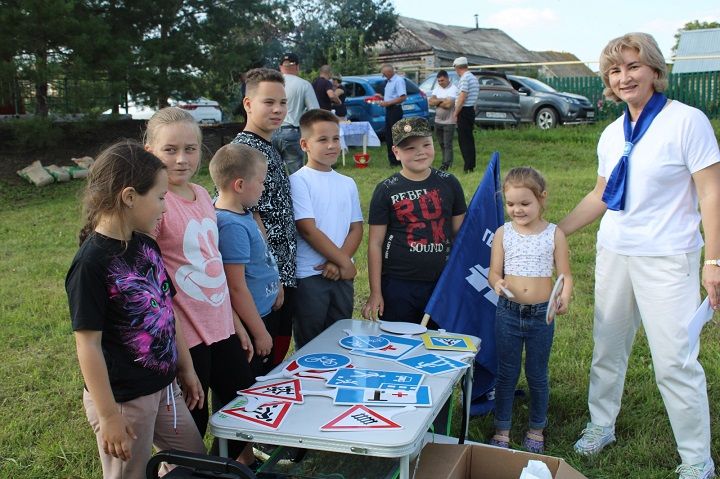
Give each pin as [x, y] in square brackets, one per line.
[269, 404]
[448, 342]
[370, 387]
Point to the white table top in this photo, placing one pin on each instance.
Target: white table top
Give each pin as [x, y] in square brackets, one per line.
[301, 428]
[352, 134]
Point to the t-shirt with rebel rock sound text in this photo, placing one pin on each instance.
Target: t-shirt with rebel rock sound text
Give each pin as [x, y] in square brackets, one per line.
[418, 215]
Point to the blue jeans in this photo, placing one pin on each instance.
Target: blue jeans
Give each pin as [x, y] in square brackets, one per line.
[519, 326]
[286, 140]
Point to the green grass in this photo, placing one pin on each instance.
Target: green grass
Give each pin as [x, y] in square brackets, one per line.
[44, 432]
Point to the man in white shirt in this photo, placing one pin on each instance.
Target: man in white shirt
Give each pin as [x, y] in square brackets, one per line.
[443, 99]
[300, 98]
[468, 89]
[395, 94]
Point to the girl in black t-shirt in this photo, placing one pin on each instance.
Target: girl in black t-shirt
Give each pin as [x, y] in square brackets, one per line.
[120, 299]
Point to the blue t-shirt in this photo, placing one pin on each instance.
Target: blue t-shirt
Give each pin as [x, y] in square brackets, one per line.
[240, 242]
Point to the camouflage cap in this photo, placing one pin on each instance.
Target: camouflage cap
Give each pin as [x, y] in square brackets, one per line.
[409, 127]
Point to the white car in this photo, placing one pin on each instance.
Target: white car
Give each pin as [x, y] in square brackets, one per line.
[203, 110]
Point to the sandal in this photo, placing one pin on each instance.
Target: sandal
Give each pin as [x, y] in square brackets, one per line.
[534, 443]
[500, 441]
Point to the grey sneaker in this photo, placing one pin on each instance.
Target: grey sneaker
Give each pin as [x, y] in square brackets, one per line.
[705, 470]
[594, 439]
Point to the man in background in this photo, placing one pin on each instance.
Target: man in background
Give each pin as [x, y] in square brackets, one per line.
[443, 99]
[395, 94]
[325, 90]
[469, 88]
[300, 98]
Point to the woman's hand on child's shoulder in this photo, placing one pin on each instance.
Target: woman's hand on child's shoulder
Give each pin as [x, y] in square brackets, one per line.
[117, 436]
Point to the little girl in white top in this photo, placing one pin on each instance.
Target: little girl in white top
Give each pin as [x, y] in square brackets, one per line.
[524, 251]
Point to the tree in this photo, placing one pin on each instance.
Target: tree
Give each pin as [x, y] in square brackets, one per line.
[41, 33]
[694, 25]
[340, 29]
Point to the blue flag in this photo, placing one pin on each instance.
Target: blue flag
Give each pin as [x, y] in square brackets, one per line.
[462, 301]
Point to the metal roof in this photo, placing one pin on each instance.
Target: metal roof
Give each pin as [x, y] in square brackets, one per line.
[698, 43]
[479, 45]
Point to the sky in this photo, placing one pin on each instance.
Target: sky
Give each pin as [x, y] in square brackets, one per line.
[576, 26]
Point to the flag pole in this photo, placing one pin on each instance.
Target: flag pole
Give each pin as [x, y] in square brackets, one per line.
[425, 319]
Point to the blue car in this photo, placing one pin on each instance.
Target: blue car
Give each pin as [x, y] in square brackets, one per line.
[364, 92]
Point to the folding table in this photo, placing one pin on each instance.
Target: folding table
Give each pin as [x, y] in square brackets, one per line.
[301, 427]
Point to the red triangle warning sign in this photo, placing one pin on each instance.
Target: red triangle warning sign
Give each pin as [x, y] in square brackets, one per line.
[270, 415]
[360, 418]
[289, 390]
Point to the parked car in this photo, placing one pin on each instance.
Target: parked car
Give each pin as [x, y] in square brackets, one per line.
[498, 103]
[205, 112]
[364, 92]
[546, 107]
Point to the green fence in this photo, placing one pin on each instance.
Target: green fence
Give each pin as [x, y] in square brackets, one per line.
[701, 90]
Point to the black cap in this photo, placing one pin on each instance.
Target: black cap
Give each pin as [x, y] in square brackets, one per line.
[290, 57]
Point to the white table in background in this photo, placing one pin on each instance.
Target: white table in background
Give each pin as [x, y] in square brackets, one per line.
[357, 133]
[301, 428]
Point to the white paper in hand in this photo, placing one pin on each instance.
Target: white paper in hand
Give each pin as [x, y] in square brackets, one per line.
[554, 300]
[703, 314]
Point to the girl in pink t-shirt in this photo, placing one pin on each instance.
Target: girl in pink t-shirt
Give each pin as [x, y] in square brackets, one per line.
[188, 238]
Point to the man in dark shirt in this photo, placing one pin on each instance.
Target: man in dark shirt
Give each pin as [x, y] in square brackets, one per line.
[324, 89]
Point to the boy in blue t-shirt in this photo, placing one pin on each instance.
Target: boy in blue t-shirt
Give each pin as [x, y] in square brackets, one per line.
[238, 172]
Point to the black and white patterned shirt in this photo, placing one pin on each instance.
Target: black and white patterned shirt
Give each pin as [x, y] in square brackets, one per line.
[275, 207]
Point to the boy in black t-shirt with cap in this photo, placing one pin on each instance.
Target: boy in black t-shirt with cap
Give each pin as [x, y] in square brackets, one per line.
[414, 216]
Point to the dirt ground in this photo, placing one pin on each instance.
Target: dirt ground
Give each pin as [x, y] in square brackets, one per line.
[75, 143]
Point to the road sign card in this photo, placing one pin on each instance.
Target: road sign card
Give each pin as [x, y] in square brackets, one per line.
[323, 361]
[360, 418]
[270, 415]
[383, 397]
[433, 363]
[364, 342]
[397, 347]
[375, 379]
[448, 342]
[290, 390]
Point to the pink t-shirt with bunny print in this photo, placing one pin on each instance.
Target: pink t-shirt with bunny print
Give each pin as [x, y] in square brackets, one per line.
[188, 239]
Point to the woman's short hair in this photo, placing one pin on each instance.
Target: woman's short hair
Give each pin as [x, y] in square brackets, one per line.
[649, 54]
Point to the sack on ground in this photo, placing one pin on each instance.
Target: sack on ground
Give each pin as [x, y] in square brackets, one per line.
[58, 173]
[36, 174]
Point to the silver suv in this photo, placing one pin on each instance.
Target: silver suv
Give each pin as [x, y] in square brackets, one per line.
[546, 107]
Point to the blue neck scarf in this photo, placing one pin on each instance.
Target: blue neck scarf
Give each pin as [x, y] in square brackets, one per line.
[614, 194]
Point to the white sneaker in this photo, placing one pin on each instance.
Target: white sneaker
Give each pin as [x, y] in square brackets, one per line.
[594, 439]
[705, 470]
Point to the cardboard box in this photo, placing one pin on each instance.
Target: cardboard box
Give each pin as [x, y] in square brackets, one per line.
[465, 461]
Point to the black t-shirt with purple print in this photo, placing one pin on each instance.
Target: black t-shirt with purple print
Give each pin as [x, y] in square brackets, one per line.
[418, 215]
[123, 290]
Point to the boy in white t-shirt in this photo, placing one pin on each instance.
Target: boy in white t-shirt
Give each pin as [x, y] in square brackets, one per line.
[443, 99]
[329, 223]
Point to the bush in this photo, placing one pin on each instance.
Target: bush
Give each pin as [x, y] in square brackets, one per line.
[32, 134]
